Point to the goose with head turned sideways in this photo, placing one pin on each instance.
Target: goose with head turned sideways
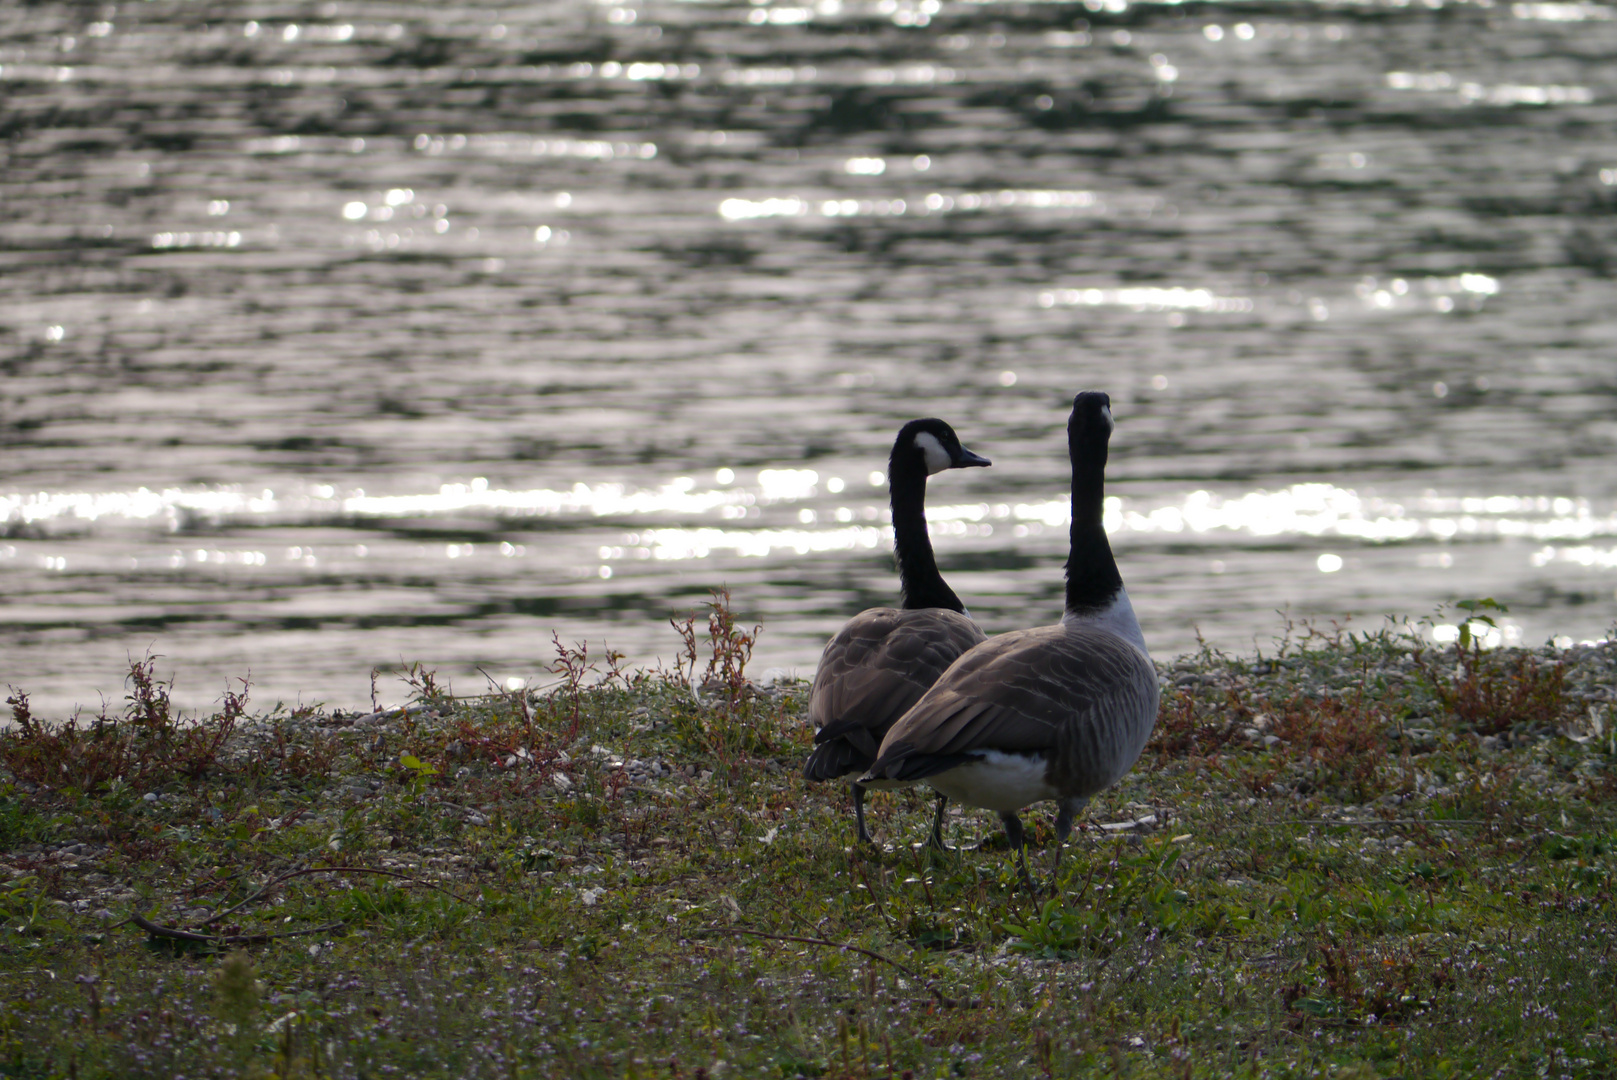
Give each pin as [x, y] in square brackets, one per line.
[1058, 712]
[883, 659]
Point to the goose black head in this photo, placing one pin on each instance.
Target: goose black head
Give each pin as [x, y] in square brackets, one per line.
[1090, 426]
[933, 446]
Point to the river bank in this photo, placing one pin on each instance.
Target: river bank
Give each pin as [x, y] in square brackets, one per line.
[1355, 852]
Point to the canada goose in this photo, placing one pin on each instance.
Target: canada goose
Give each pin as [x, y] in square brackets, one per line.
[1059, 712]
[882, 661]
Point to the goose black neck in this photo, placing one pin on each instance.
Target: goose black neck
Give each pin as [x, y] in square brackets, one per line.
[918, 577]
[1093, 581]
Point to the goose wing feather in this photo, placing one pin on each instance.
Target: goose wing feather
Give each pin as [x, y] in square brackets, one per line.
[879, 665]
[1027, 692]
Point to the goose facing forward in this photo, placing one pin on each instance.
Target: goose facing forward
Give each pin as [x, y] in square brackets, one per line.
[1059, 712]
[883, 660]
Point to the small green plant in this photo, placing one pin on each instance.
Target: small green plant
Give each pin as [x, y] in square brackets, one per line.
[1471, 607]
[25, 908]
[421, 773]
[423, 683]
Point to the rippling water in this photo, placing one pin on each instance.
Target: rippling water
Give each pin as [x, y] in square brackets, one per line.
[363, 332]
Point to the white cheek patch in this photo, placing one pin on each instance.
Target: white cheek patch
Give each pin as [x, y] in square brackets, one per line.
[932, 452]
[1106, 414]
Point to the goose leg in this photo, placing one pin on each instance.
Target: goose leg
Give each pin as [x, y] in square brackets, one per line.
[859, 813]
[937, 823]
[1013, 833]
[1067, 810]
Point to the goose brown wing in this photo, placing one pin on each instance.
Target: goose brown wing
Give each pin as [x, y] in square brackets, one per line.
[1016, 692]
[879, 665]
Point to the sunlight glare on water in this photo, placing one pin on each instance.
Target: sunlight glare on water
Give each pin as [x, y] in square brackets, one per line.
[351, 338]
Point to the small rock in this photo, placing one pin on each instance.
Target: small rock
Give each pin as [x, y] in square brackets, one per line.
[1420, 738]
[151, 797]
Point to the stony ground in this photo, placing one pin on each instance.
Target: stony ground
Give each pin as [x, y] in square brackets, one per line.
[1356, 857]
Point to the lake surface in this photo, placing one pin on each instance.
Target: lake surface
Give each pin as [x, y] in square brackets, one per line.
[367, 333]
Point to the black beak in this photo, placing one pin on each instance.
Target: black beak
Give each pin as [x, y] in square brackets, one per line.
[967, 458]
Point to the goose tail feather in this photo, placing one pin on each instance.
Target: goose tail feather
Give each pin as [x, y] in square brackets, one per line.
[901, 767]
[833, 759]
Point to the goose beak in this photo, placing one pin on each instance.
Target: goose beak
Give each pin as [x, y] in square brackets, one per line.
[967, 458]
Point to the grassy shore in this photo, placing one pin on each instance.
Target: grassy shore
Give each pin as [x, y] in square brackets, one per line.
[1355, 856]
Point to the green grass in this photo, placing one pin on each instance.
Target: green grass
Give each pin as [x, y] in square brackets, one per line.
[1356, 858]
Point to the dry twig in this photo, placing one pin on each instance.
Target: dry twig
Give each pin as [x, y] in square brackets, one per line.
[943, 1000]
